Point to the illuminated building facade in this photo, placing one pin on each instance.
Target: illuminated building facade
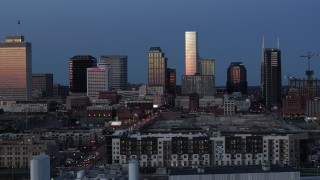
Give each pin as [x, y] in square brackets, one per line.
[237, 78]
[171, 80]
[16, 69]
[191, 48]
[157, 67]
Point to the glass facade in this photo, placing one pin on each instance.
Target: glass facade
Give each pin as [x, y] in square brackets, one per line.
[78, 72]
[171, 81]
[15, 69]
[157, 67]
[97, 81]
[206, 66]
[118, 79]
[237, 78]
[191, 46]
[271, 78]
[200, 84]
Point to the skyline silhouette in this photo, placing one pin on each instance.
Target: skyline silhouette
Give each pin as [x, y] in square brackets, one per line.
[227, 31]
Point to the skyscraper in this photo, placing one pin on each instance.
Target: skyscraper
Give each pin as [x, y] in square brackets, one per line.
[206, 66]
[271, 77]
[78, 72]
[118, 71]
[191, 47]
[97, 80]
[171, 81]
[237, 78]
[157, 67]
[15, 69]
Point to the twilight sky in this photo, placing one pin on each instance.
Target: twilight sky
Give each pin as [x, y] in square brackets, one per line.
[228, 30]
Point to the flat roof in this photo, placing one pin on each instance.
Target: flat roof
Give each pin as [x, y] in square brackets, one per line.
[232, 170]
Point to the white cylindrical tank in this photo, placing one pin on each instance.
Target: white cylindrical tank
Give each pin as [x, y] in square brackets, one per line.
[80, 174]
[133, 169]
[40, 167]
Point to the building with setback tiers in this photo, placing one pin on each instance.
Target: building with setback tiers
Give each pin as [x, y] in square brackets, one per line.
[15, 69]
[157, 68]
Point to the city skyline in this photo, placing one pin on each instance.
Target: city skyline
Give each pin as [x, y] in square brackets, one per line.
[227, 32]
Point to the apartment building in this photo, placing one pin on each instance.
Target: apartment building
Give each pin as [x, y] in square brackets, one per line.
[193, 149]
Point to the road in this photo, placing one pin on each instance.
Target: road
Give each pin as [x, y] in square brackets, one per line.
[142, 122]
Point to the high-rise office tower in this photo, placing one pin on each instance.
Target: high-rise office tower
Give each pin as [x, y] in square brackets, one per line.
[97, 80]
[43, 83]
[237, 78]
[118, 79]
[171, 80]
[157, 68]
[191, 47]
[206, 66]
[271, 77]
[78, 72]
[15, 69]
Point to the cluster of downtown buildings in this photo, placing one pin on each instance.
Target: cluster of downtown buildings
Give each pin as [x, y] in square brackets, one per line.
[91, 76]
[99, 89]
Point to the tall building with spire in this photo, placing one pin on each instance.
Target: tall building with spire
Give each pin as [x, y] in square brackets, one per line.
[271, 77]
[191, 48]
[237, 78]
[15, 69]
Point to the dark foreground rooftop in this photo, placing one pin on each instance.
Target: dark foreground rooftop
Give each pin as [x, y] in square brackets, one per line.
[231, 170]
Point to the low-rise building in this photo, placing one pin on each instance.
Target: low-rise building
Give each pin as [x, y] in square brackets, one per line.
[193, 149]
[17, 151]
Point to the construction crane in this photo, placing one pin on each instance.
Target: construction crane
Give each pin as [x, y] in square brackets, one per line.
[309, 72]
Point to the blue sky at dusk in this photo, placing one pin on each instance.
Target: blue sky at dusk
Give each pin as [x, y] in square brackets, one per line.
[228, 30]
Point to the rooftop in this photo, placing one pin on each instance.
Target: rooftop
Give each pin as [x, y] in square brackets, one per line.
[231, 170]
